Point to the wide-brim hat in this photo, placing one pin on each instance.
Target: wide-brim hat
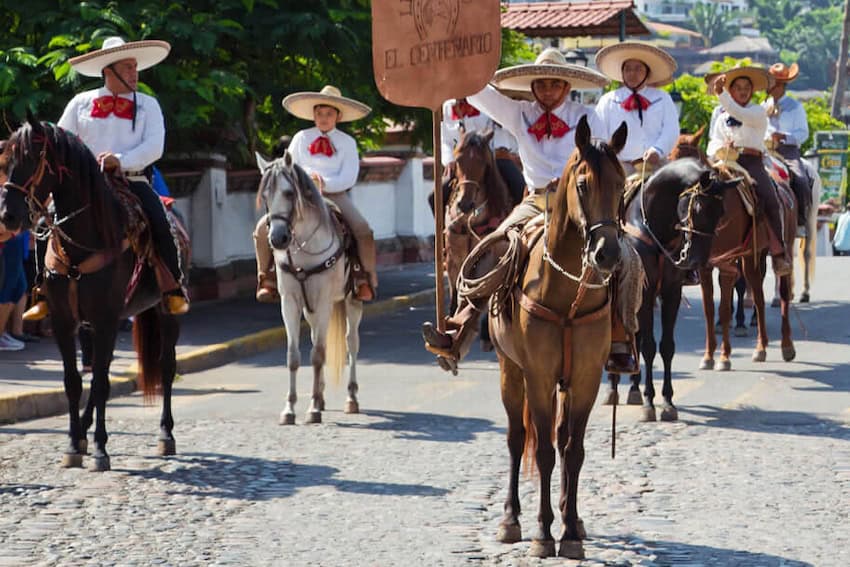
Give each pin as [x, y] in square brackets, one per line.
[301, 104]
[783, 73]
[550, 64]
[610, 60]
[147, 53]
[758, 77]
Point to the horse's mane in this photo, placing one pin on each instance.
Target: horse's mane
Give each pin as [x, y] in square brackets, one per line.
[307, 192]
[499, 198]
[76, 170]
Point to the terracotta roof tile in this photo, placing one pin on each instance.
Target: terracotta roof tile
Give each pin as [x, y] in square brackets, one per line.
[572, 19]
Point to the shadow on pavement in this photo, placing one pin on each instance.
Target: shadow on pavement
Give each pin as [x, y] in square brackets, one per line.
[427, 426]
[754, 419]
[832, 377]
[248, 478]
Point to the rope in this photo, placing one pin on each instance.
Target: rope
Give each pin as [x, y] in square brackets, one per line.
[499, 281]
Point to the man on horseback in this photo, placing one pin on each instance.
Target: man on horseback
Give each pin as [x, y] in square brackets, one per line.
[787, 129]
[330, 157]
[737, 135]
[649, 112]
[125, 130]
[544, 132]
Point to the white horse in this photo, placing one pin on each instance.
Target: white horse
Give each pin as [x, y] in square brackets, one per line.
[808, 245]
[311, 264]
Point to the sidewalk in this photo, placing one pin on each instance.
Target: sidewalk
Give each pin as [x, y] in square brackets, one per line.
[212, 334]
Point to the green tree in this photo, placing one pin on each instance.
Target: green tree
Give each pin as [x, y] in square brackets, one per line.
[713, 23]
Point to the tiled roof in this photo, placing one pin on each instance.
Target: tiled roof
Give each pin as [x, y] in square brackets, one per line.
[742, 45]
[572, 19]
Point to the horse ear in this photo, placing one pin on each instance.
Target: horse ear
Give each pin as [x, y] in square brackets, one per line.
[287, 158]
[262, 164]
[582, 134]
[618, 140]
[33, 121]
[488, 135]
[706, 179]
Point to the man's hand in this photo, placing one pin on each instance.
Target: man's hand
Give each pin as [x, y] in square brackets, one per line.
[651, 157]
[719, 83]
[108, 162]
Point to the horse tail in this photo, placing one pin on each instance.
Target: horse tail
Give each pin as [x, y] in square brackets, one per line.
[336, 349]
[531, 440]
[148, 344]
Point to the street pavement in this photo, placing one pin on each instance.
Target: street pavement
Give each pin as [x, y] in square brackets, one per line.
[756, 472]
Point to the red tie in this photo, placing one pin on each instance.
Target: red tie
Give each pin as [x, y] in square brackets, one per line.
[461, 109]
[103, 106]
[548, 125]
[322, 145]
[634, 101]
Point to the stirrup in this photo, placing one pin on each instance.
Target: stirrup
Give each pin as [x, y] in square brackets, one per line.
[176, 303]
[37, 312]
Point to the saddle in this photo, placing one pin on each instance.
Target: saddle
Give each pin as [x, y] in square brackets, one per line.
[354, 267]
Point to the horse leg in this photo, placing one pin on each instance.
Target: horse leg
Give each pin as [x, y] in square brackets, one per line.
[669, 312]
[319, 321]
[788, 351]
[291, 312]
[63, 332]
[755, 275]
[170, 331]
[541, 408]
[706, 282]
[571, 450]
[648, 351]
[105, 333]
[634, 397]
[740, 315]
[353, 312]
[727, 284]
[513, 398]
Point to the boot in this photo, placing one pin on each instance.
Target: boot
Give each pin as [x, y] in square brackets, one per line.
[364, 290]
[176, 302]
[781, 266]
[39, 309]
[266, 289]
[453, 345]
[266, 282]
[622, 359]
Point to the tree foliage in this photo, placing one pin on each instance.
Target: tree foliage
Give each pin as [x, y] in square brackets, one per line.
[714, 24]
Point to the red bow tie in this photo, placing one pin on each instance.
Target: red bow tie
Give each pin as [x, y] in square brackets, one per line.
[548, 125]
[103, 106]
[634, 102]
[322, 145]
[461, 109]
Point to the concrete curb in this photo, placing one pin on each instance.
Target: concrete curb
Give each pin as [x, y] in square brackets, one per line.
[49, 402]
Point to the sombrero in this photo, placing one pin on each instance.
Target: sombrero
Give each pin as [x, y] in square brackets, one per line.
[550, 64]
[301, 104]
[147, 53]
[783, 73]
[610, 60]
[758, 77]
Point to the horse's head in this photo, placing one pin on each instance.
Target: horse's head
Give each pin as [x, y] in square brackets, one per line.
[288, 194]
[472, 160]
[594, 182]
[699, 211]
[687, 146]
[26, 173]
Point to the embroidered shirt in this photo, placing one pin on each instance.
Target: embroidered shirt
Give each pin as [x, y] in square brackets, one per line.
[790, 120]
[340, 170]
[135, 149]
[660, 128]
[450, 132]
[542, 160]
[751, 132]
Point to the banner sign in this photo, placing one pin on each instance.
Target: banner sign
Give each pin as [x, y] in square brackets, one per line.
[832, 147]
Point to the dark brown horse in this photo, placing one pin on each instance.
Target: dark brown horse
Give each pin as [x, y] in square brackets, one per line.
[739, 235]
[554, 334]
[670, 222]
[92, 269]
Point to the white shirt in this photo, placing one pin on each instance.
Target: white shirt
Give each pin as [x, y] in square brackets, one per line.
[791, 120]
[545, 160]
[750, 134]
[450, 132]
[660, 128]
[135, 149]
[340, 170]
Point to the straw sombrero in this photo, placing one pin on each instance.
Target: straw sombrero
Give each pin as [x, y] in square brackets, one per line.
[759, 77]
[610, 60]
[147, 53]
[783, 73]
[550, 64]
[301, 104]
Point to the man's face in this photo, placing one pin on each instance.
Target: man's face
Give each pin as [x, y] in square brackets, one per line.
[125, 68]
[550, 92]
[326, 117]
[634, 73]
[741, 90]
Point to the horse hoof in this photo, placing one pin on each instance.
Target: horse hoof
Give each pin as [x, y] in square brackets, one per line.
[320, 404]
[287, 418]
[571, 549]
[612, 399]
[542, 548]
[741, 331]
[582, 533]
[804, 298]
[509, 533]
[669, 413]
[83, 444]
[725, 365]
[100, 464]
[648, 414]
[634, 399]
[313, 417]
[789, 353]
[166, 447]
[72, 460]
[707, 364]
[351, 406]
[759, 356]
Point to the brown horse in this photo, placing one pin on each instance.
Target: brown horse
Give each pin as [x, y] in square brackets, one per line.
[739, 235]
[478, 204]
[553, 336]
